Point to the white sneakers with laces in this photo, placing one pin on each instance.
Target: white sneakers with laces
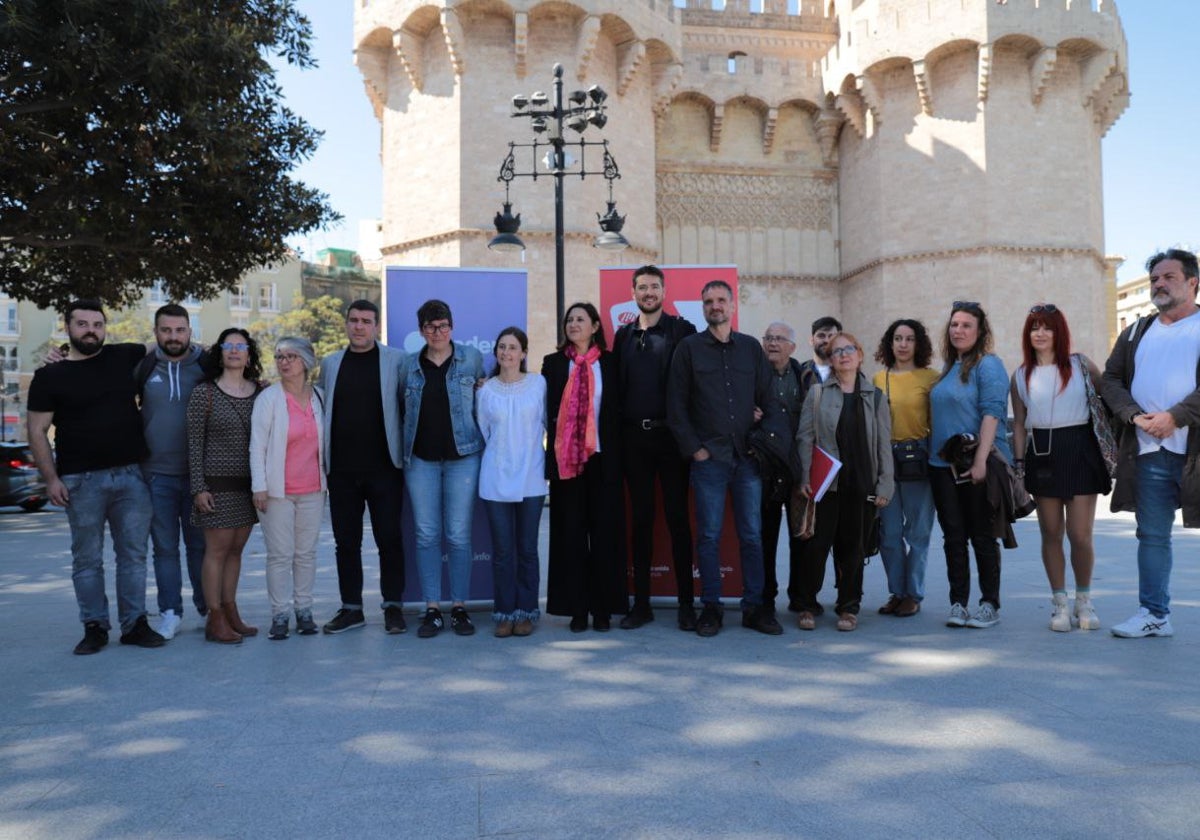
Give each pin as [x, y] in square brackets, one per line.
[168, 624]
[1060, 619]
[1142, 624]
[1085, 617]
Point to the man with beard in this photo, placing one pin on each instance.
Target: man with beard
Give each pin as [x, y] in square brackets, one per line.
[816, 370]
[644, 350]
[719, 388]
[165, 379]
[91, 399]
[1152, 385]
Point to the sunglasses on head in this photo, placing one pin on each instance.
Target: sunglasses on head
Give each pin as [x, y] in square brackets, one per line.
[966, 304]
[1048, 308]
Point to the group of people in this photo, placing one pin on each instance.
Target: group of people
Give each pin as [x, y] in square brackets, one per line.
[178, 443]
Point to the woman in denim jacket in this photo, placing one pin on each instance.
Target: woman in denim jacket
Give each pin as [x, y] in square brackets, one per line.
[441, 447]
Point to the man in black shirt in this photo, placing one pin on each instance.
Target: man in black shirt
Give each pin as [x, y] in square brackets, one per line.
[362, 440]
[644, 349]
[91, 400]
[720, 386]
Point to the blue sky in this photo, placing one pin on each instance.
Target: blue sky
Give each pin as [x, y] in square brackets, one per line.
[1151, 156]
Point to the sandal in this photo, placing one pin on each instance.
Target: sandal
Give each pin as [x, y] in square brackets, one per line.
[847, 622]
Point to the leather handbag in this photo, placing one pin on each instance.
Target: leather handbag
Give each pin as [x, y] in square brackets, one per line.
[1101, 420]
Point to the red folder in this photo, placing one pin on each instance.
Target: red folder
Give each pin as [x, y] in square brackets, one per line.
[824, 470]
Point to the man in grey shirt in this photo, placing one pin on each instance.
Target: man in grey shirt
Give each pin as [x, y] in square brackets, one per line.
[719, 385]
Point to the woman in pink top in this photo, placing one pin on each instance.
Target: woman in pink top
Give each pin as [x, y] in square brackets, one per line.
[288, 482]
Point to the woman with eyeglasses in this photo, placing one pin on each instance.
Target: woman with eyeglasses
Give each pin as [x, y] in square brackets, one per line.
[848, 417]
[905, 351]
[511, 407]
[587, 534]
[970, 398]
[218, 421]
[1058, 452]
[287, 479]
[441, 446]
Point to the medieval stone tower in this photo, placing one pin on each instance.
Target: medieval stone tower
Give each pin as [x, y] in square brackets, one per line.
[869, 159]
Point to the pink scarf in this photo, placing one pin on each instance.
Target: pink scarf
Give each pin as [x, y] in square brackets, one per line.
[575, 433]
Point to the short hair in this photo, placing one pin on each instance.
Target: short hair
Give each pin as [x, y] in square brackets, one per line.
[791, 333]
[212, 365]
[362, 305]
[983, 343]
[171, 310]
[848, 337]
[1185, 258]
[712, 284]
[302, 347]
[652, 270]
[522, 339]
[592, 313]
[434, 310]
[86, 305]
[824, 323]
[922, 353]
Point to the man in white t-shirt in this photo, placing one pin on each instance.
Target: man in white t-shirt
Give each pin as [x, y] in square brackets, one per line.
[1152, 383]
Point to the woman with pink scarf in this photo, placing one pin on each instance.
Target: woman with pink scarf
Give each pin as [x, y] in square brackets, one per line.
[587, 529]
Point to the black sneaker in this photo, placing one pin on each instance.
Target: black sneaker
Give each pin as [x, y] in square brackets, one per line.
[763, 620]
[431, 623]
[279, 627]
[712, 617]
[687, 618]
[94, 638]
[305, 626]
[640, 614]
[460, 622]
[142, 636]
[345, 619]
[393, 620]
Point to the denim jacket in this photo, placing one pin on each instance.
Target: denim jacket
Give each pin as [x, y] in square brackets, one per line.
[466, 367]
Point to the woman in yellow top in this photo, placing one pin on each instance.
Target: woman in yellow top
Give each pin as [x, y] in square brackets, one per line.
[904, 525]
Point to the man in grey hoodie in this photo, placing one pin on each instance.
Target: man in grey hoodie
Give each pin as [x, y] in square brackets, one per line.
[165, 381]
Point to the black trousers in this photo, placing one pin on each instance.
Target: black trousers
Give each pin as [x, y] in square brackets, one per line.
[587, 555]
[965, 515]
[842, 519]
[648, 454]
[381, 493]
[773, 516]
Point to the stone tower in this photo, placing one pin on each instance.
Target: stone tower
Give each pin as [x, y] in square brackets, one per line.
[869, 159]
[969, 159]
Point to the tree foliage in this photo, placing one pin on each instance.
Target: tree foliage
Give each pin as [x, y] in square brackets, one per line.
[146, 140]
[321, 320]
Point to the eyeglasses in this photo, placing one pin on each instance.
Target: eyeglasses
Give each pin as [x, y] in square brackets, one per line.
[772, 338]
[436, 329]
[239, 346]
[844, 350]
[286, 357]
[966, 304]
[1048, 308]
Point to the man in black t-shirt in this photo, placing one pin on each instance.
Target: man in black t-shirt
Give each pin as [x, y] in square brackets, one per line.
[91, 400]
[362, 458]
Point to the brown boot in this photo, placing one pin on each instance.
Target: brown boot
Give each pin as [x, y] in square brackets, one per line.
[235, 621]
[217, 628]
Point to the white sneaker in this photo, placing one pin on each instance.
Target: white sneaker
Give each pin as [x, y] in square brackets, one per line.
[1060, 619]
[168, 624]
[958, 616]
[1143, 624]
[985, 616]
[1085, 617]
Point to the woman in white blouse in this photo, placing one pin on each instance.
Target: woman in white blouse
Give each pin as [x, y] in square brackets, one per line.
[511, 410]
[1056, 448]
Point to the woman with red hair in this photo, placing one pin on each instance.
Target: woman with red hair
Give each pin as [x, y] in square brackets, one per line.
[1057, 448]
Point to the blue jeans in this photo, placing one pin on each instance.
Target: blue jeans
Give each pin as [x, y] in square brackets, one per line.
[119, 496]
[442, 495]
[904, 526]
[1159, 477]
[515, 567]
[171, 500]
[710, 480]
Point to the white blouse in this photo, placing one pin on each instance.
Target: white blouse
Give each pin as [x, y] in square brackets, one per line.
[1046, 407]
[512, 418]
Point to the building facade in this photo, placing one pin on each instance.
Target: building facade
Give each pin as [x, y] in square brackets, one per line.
[868, 159]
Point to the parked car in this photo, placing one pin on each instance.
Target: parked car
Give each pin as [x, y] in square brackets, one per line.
[20, 482]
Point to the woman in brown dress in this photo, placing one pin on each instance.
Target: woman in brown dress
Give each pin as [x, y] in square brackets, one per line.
[218, 419]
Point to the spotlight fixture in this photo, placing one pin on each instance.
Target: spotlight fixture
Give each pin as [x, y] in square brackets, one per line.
[577, 122]
[597, 118]
[520, 102]
[539, 125]
[579, 96]
[597, 93]
[539, 99]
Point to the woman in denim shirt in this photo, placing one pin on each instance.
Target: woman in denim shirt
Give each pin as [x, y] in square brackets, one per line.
[441, 448]
[971, 397]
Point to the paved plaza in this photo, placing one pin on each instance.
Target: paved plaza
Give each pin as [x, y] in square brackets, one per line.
[902, 729]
